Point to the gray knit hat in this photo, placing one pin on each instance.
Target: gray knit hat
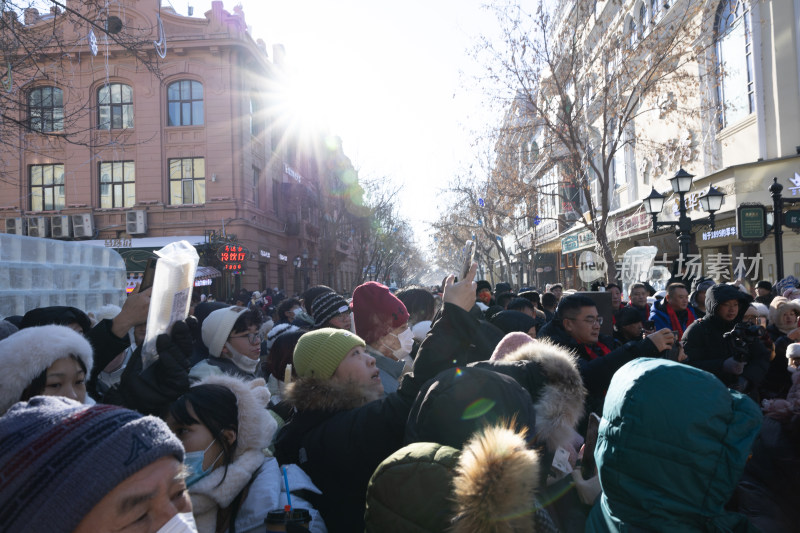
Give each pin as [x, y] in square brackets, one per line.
[327, 306]
[59, 458]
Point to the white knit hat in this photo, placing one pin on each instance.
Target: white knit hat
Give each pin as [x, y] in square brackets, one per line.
[30, 351]
[217, 327]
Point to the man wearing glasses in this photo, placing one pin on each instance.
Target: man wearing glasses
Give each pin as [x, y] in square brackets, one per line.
[234, 344]
[576, 326]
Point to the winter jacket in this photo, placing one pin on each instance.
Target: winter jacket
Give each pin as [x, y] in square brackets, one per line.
[778, 379]
[672, 444]
[597, 373]
[339, 434]
[429, 487]
[704, 344]
[550, 375]
[250, 469]
[659, 315]
[390, 370]
[771, 481]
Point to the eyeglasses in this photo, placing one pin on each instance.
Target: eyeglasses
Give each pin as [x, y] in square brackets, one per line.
[591, 320]
[253, 338]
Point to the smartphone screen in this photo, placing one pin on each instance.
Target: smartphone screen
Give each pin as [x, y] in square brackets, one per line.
[149, 274]
[469, 257]
[588, 467]
[650, 325]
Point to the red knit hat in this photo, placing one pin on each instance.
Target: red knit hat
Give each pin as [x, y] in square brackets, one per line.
[376, 311]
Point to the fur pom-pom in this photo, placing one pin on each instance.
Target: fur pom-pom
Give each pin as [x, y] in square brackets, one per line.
[495, 484]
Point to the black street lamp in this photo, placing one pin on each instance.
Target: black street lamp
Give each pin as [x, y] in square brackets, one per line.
[681, 182]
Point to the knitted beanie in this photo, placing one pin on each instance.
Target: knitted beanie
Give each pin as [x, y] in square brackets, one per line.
[318, 353]
[59, 458]
[510, 343]
[279, 330]
[327, 306]
[481, 285]
[30, 351]
[376, 311]
[217, 328]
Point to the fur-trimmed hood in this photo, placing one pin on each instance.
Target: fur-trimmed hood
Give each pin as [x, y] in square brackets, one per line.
[778, 306]
[550, 374]
[30, 351]
[488, 486]
[328, 395]
[256, 426]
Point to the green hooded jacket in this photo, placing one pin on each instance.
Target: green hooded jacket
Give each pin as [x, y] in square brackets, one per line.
[672, 445]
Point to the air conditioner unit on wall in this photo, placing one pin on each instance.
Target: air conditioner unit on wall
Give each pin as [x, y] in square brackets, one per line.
[61, 226]
[16, 225]
[83, 226]
[136, 222]
[38, 227]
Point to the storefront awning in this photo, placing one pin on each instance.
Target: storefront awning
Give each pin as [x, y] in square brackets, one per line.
[207, 272]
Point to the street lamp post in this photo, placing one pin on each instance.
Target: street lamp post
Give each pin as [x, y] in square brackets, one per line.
[681, 182]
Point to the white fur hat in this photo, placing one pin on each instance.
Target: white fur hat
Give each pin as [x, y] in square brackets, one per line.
[217, 327]
[30, 351]
[793, 350]
[256, 425]
[108, 311]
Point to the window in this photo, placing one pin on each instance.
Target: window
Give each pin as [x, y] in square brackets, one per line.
[185, 103]
[633, 33]
[256, 120]
[46, 109]
[117, 184]
[187, 181]
[644, 20]
[256, 180]
[655, 8]
[734, 62]
[114, 106]
[47, 187]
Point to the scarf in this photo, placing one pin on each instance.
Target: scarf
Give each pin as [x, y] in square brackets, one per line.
[675, 323]
[598, 350]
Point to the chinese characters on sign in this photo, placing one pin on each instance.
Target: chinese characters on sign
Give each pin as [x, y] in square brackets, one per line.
[716, 234]
[232, 256]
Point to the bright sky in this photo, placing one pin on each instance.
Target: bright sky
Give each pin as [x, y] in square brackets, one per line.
[387, 75]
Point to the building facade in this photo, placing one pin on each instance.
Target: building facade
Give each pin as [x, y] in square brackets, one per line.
[741, 130]
[133, 146]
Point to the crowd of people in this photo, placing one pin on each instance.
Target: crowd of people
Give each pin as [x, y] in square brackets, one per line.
[466, 407]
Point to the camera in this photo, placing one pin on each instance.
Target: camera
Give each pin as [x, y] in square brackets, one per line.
[740, 337]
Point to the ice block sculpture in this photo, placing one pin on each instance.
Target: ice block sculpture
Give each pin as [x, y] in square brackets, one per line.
[36, 272]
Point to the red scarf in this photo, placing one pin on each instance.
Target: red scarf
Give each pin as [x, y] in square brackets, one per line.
[598, 350]
[675, 323]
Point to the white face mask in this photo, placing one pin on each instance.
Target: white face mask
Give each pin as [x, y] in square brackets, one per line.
[241, 360]
[406, 339]
[180, 523]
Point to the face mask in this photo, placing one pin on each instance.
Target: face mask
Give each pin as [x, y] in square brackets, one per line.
[241, 360]
[194, 462]
[180, 523]
[406, 339]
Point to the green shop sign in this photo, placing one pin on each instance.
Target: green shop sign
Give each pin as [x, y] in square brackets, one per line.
[751, 219]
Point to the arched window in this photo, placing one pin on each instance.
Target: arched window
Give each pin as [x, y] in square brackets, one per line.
[114, 106]
[46, 109]
[185, 103]
[734, 61]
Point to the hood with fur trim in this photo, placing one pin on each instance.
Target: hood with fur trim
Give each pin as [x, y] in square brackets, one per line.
[489, 486]
[778, 306]
[27, 353]
[256, 426]
[549, 372]
[327, 395]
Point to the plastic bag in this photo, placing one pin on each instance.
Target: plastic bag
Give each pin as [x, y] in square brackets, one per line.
[171, 296]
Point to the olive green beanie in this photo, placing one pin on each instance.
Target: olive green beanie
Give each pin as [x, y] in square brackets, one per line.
[318, 353]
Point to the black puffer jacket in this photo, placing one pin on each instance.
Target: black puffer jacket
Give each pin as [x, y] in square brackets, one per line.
[339, 435]
[706, 348]
[597, 373]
